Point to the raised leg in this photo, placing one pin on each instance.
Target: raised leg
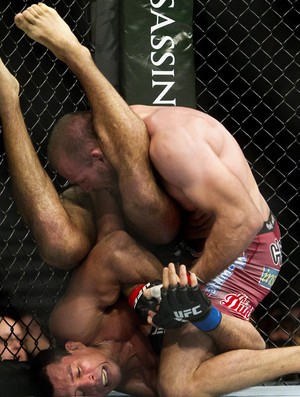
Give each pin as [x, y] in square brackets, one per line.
[122, 134]
[61, 237]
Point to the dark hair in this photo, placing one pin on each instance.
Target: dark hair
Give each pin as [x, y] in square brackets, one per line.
[38, 365]
[11, 312]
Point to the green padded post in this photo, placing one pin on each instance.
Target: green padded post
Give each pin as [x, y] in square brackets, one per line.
[156, 55]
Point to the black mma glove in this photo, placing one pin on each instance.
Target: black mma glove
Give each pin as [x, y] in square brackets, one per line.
[177, 306]
[140, 304]
[181, 304]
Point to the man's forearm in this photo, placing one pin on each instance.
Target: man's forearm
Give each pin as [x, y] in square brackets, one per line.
[125, 142]
[115, 123]
[224, 244]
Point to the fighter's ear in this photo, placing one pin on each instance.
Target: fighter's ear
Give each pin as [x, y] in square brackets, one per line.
[97, 153]
[71, 346]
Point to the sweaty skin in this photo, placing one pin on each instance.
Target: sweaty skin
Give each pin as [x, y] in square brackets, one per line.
[88, 313]
[103, 322]
[121, 349]
[200, 164]
[145, 210]
[36, 23]
[60, 224]
[204, 169]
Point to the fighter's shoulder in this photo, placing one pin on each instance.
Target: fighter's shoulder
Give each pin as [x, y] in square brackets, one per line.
[144, 111]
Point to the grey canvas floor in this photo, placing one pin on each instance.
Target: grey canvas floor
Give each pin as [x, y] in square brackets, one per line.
[262, 391]
[258, 391]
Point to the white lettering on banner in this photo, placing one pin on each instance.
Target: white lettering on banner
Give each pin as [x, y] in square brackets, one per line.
[166, 21]
[159, 100]
[158, 42]
[163, 58]
[162, 72]
[161, 3]
[162, 42]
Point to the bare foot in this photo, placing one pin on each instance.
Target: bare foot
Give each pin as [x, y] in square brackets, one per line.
[9, 87]
[43, 24]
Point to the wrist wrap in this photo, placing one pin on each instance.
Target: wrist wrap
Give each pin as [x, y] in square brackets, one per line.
[135, 294]
[140, 304]
[210, 322]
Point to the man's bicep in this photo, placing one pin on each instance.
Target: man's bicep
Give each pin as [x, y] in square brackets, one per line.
[208, 184]
[92, 289]
[216, 191]
[76, 318]
[193, 175]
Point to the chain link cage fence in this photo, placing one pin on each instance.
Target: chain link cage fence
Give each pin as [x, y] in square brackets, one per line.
[247, 64]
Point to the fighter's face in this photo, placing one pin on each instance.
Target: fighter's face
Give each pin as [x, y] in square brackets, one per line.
[86, 372]
[11, 335]
[92, 176]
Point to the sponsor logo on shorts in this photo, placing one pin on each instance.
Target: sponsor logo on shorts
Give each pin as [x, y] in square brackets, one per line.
[270, 224]
[275, 250]
[215, 285]
[238, 303]
[268, 277]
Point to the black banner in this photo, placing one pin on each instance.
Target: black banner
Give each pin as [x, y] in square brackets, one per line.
[157, 58]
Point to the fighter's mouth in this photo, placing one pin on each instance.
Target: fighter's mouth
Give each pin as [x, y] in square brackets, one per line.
[104, 377]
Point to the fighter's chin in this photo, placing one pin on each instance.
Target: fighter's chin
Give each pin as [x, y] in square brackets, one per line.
[116, 376]
[109, 378]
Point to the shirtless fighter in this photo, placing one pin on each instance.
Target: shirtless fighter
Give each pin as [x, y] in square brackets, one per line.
[108, 348]
[67, 231]
[256, 366]
[199, 163]
[65, 228]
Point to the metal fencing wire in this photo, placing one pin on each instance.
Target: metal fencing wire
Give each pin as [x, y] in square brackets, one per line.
[247, 76]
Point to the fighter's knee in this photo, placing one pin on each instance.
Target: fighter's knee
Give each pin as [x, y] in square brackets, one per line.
[180, 388]
[116, 244]
[259, 344]
[60, 256]
[166, 389]
[169, 383]
[254, 338]
[118, 239]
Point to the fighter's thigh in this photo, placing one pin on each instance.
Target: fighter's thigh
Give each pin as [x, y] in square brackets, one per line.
[184, 349]
[123, 260]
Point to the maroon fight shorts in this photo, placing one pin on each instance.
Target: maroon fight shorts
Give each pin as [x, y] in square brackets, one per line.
[239, 288]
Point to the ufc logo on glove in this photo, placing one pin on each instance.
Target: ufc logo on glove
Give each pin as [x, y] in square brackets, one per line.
[194, 311]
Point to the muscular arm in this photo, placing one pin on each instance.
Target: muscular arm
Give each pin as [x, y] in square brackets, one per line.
[122, 134]
[125, 142]
[202, 181]
[107, 213]
[62, 235]
[237, 220]
[115, 261]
